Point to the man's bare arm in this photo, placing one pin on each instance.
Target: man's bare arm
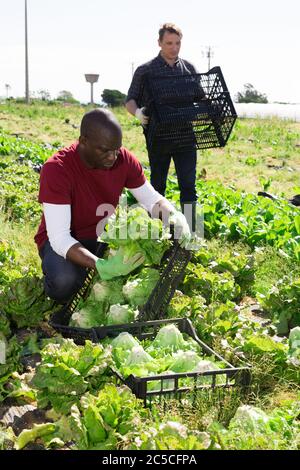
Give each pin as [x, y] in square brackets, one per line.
[131, 106]
[80, 255]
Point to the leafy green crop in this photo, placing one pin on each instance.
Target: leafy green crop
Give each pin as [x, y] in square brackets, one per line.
[253, 429]
[9, 269]
[102, 421]
[25, 302]
[11, 350]
[4, 325]
[294, 346]
[235, 215]
[25, 150]
[19, 193]
[170, 435]
[68, 371]
[29, 435]
[283, 304]
[212, 286]
[7, 438]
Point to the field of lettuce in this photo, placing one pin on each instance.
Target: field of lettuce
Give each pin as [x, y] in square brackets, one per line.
[241, 292]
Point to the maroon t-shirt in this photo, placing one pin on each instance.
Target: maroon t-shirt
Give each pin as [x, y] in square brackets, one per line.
[66, 180]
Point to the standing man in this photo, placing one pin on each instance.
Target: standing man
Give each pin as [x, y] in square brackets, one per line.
[166, 63]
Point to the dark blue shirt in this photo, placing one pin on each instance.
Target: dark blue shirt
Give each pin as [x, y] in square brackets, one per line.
[156, 66]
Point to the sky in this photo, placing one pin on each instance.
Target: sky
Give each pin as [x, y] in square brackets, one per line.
[255, 42]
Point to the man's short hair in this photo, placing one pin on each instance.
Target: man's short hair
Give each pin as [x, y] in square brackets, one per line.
[169, 28]
[97, 119]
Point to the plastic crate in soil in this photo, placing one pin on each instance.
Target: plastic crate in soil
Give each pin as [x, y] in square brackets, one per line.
[60, 320]
[172, 271]
[175, 385]
[188, 111]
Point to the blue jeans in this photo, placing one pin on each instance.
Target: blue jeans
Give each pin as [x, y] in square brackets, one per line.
[185, 165]
[62, 278]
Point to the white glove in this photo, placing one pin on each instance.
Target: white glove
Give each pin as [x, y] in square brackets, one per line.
[139, 114]
[182, 231]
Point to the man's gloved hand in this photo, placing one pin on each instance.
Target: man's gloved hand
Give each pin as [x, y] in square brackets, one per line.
[182, 231]
[118, 265]
[139, 114]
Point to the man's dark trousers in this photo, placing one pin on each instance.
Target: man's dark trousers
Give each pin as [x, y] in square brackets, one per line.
[185, 166]
[62, 278]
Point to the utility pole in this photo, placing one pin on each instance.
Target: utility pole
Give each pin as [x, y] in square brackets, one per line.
[7, 86]
[26, 58]
[209, 53]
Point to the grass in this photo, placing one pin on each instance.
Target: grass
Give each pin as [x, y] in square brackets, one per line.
[267, 391]
[201, 410]
[270, 267]
[42, 123]
[257, 148]
[20, 237]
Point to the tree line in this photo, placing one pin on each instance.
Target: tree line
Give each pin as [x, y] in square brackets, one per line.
[115, 98]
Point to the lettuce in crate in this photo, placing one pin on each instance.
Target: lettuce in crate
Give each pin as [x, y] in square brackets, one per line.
[139, 287]
[168, 353]
[112, 303]
[89, 314]
[94, 310]
[110, 291]
[133, 231]
[119, 314]
[94, 314]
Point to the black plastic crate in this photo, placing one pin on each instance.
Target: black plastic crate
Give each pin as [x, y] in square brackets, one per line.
[172, 273]
[172, 270]
[60, 320]
[231, 376]
[188, 111]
